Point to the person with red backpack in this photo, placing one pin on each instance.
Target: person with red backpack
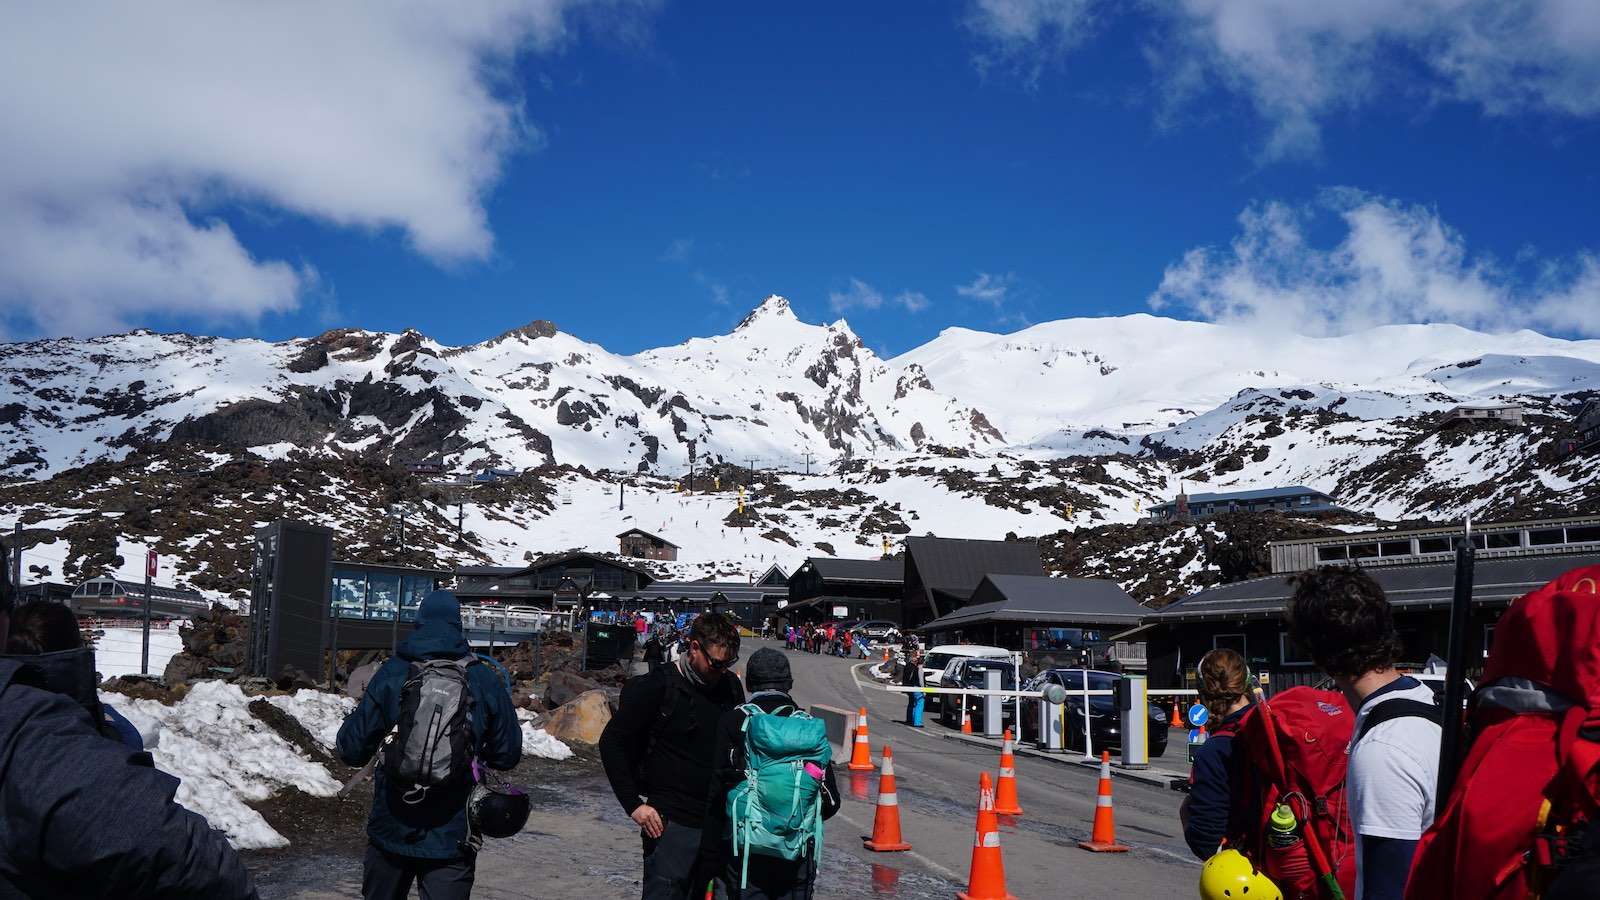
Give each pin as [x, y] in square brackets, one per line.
[1520, 822]
[1216, 776]
[1341, 618]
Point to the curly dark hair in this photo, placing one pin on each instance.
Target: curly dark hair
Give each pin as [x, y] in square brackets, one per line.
[1340, 617]
[715, 630]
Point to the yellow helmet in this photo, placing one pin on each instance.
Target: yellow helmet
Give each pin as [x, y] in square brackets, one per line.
[1228, 875]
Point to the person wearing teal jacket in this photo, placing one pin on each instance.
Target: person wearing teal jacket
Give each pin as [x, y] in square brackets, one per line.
[426, 842]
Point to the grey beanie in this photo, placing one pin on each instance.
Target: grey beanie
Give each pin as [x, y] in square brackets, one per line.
[768, 670]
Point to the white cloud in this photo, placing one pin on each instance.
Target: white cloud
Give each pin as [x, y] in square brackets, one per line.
[913, 301]
[1027, 34]
[990, 288]
[860, 295]
[1395, 264]
[131, 129]
[1297, 62]
[678, 251]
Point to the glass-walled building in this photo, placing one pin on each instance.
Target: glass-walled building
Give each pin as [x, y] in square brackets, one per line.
[375, 592]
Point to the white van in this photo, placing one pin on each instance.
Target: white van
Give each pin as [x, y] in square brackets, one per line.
[940, 657]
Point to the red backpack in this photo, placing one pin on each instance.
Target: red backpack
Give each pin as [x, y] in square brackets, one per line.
[1295, 745]
[1527, 788]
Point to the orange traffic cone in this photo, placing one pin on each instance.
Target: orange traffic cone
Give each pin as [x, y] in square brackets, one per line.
[886, 823]
[1005, 801]
[987, 880]
[1104, 837]
[966, 721]
[861, 757]
[1177, 720]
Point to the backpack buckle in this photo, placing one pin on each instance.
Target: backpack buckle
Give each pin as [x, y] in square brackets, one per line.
[1555, 850]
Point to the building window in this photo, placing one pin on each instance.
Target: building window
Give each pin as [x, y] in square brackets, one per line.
[1289, 653]
[1504, 540]
[1433, 545]
[1488, 639]
[1395, 548]
[1231, 641]
[1331, 554]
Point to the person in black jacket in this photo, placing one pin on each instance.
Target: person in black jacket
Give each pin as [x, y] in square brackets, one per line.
[769, 679]
[657, 751]
[89, 817]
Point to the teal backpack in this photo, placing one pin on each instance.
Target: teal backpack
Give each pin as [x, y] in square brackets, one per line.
[777, 809]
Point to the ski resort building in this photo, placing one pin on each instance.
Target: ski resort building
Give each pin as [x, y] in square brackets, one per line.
[644, 545]
[1498, 413]
[1296, 499]
[1415, 568]
[825, 589]
[941, 574]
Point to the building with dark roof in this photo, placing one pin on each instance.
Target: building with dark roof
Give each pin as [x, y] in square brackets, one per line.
[640, 544]
[825, 589]
[1039, 615]
[1293, 499]
[942, 573]
[1415, 568]
[748, 603]
[555, 582]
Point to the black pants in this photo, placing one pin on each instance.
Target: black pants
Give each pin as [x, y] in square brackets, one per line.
[669, 864]
[770, 879]
[388, 876]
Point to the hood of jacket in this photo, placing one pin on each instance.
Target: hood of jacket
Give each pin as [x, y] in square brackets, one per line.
[68, 672]
[438, 633]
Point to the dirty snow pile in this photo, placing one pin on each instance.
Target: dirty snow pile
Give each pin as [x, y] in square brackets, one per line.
[225, 757]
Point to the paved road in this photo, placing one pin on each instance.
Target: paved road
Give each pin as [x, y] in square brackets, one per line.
[580, 845]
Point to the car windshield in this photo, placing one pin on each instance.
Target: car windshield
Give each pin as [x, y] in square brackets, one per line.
[976, 674]
[937, 661]
[1098, 681]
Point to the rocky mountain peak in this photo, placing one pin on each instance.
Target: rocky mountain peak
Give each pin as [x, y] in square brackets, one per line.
[771, 309]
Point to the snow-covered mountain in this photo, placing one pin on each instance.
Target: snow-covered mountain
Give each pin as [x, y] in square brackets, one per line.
[187, 443]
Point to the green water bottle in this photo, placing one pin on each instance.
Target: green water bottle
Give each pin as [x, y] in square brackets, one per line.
[1283, 832]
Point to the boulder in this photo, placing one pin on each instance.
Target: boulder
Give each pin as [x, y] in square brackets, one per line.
[582, 720]
[564, 686]
[529, 702]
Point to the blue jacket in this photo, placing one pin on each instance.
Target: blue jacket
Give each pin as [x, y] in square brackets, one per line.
[83, 816]
[1216, 771]
[436, 827]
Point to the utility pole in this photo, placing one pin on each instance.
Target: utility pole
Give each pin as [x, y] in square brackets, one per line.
[808, 456]
[691, 465]
[750, 465]
[619, 494]
[16, 557]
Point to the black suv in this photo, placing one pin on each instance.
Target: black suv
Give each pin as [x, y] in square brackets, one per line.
[972, 673]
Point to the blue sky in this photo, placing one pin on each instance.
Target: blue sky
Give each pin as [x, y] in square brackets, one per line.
[644, 172]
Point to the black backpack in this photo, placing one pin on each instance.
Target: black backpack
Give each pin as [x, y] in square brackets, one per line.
[431, 745]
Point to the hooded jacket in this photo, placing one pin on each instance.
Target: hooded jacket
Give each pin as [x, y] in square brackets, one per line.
[72, 672]
[436, 827]
[83, 818]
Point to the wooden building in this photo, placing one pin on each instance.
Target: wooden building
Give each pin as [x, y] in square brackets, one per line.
[825, 589]
[1069, 620]
[639, 544]
[942, 573]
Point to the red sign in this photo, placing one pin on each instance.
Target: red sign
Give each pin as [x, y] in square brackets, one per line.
[150, 564]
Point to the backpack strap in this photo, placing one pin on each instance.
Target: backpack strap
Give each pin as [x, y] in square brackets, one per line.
[1398, 709]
